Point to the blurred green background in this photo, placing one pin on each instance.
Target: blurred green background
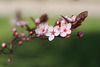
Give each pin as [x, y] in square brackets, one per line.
[70, 52]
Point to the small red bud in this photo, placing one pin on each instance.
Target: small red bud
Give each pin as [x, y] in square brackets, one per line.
[14, 30]
[27, 38]
[20, 42]
[9, 59]
[80, 33]
[31, 32]
[16, 33]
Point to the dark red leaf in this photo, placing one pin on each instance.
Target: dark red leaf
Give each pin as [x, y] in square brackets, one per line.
[66, 19]
[43, 18]
[79, 19]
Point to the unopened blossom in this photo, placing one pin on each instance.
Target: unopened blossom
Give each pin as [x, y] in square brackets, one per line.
[27, 38]
[9, 59]
[80, 33]
[16, 33]
[23, 36]
[37, 20]
[22, 23]
[14, 30]
[65, 29]
[71, 19]
[20, 43]
[61, 21]
[3, 44]
[31, 32]
[41, 29]
[52, 32]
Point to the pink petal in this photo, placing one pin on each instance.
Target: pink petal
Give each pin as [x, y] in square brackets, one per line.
[63, 34]
[50, 28]
[51, 37]
[68, 32]
[56, 33]
[68, 26]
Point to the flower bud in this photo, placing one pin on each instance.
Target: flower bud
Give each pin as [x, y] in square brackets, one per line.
[14, 30]
[3, 44]
[9, 59]
[80, 33]
[16, 33]
[27, 38]
[20, 42]
[37, 21]
[31, 32]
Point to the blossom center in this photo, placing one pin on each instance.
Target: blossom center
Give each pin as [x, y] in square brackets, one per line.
[43, 30]
[64, 30]
[53, 32]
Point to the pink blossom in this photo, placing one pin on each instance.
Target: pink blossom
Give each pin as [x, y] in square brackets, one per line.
[14, 30]
[9, 59]
[71, 19]
[27, 38]
[65, 29]
[37, 21]
[20, 42]
[52, 32]
[41, 29]
[3, 44]
[22, 23]
[31, 32]
[15, 33]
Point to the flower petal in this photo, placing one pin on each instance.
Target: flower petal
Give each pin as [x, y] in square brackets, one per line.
[68, 26]
[63, 34]
[47, 34]
[68, 32]
[56, 33]
[51, 37]
[56, 28]
[50, 28]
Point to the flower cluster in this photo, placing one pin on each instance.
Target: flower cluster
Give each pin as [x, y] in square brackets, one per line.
[62, 28]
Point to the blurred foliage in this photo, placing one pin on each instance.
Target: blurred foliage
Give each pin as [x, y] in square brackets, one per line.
[70, 52]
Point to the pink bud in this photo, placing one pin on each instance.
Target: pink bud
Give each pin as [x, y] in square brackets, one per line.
[14, 30]
[27, 38]
[3, 44]
[16, 33]
[31, 32]
[9, 59]
[80, 33]
[37, 21]
[20, 42]
[13, 33]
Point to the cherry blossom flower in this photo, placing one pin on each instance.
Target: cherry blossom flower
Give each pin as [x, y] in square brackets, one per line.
[37, 21]
[41, 29]
[22, 23]
[65, 29]
[52, 32]
[71, 19]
